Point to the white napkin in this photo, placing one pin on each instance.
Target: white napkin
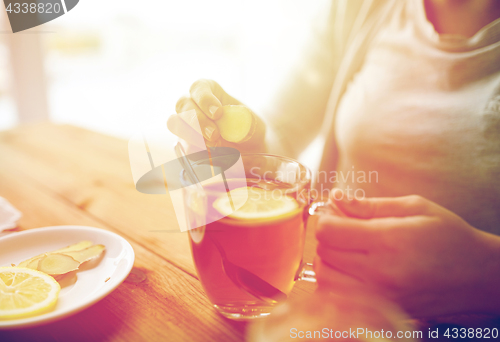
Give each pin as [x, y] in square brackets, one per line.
[8, 215]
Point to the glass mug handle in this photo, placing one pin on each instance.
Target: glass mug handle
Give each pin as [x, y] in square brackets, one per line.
[306, 271]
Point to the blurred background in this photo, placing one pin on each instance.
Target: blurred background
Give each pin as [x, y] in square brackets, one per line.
[107, 65]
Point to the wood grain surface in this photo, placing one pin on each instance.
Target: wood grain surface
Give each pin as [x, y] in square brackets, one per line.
[64, 175]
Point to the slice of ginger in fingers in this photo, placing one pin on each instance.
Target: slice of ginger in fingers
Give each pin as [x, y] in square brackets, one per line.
[33, 262]
[87, 253]
[237, 123]
[56, 264]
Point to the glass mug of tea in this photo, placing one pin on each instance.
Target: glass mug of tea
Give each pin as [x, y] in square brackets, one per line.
[249, 260]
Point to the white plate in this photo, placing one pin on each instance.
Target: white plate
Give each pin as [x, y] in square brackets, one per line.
[89, 285]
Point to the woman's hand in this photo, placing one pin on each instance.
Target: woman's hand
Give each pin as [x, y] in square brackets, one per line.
[206, 98]
[412, 251]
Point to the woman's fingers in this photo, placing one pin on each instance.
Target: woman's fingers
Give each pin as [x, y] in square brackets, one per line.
[184, 108]
[335, 280]
[368, 208]
[206, 99]
[355, 263]
[185, 103]
[346, 233]
[362, 235]
[207, 94]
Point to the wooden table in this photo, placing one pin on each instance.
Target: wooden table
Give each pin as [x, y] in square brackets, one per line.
[64, 175]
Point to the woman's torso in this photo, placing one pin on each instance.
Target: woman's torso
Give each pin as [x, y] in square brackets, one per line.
[422, 116]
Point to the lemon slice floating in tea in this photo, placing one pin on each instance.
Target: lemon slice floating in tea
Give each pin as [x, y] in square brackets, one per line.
[25, 292]
[260, 204]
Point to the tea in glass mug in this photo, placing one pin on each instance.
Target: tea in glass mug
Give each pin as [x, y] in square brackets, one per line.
[249, 260]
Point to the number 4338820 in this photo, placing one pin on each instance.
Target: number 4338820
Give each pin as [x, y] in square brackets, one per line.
[471, 333]
[33, 8]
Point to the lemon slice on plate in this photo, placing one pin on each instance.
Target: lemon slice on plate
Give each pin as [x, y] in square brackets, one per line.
[256, 204]
[25, 292]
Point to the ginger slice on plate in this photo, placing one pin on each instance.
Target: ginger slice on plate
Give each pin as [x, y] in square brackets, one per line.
[236, 124]
[75, 247]
[64, 260]
[86, 254]
[56, 264]
[33, 262]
